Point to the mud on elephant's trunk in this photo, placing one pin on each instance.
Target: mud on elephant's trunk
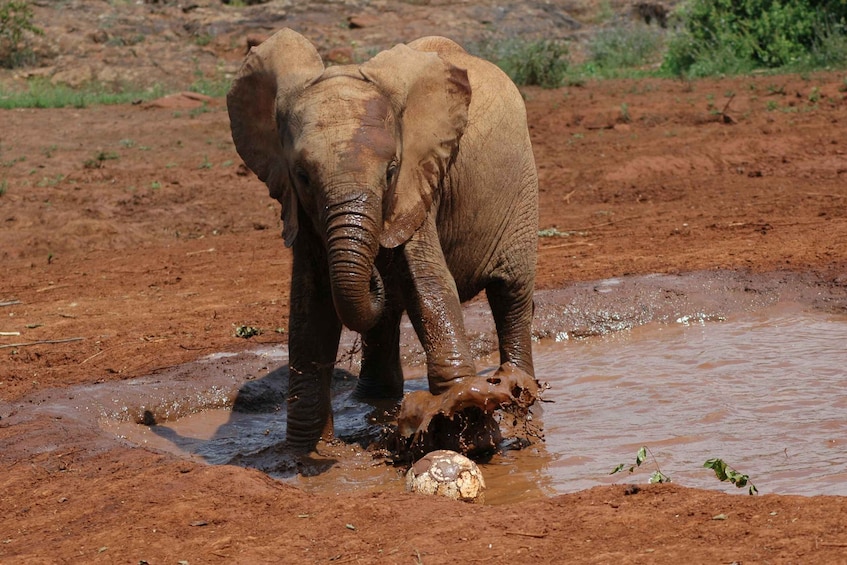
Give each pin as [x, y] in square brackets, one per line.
[357, 288]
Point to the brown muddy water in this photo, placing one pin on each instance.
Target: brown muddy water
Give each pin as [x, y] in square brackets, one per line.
[749, 369]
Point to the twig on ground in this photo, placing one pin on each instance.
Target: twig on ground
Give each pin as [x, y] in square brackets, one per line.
[526, 534]
[52, 287]
[10, 303]
[43, 342]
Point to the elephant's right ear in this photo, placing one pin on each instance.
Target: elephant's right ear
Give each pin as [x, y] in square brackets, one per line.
[273, 73]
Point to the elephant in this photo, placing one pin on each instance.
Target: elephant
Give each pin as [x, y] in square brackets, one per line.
[407, 184]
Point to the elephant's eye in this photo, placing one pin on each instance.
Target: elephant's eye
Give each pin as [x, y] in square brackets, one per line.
[391, 173]
[302, 176]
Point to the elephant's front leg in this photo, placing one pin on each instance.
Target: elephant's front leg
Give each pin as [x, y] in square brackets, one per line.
[457, 412]
[313, 346]
[432, 302]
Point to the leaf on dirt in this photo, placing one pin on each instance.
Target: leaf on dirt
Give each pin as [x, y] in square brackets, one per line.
[198, 523]
[720, 517]
[350, 526]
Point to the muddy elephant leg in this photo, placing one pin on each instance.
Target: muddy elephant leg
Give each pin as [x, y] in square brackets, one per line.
[313, 345]
[512, 308]
[432, 302]
[382, 375]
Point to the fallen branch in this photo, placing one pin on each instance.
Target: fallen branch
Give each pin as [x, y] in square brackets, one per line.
[43, 342]
[52, 287]
[10, 303]
[526, 534]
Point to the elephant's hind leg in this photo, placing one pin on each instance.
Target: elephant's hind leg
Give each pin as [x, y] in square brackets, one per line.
[381, 375]
[512, 308]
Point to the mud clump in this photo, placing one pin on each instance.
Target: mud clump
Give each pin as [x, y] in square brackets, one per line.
[467, 418]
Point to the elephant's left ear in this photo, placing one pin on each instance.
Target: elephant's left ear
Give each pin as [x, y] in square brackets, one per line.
[431, 96]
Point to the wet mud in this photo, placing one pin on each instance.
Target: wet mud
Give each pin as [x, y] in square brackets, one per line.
[684, 362]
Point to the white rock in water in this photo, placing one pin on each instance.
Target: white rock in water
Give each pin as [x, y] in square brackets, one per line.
[446, 473]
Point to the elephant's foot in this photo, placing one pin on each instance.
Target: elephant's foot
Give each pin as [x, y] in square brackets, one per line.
[463, 417]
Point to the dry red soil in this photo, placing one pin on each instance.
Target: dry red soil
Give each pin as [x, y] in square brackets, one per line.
[149, 255]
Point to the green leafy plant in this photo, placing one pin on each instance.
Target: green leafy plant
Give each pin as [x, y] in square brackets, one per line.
[657, 477]
[625, 116]
[729, 36]
[246, 332]
[99, 159]
[541, 62]
[15, 22]
[726, 473]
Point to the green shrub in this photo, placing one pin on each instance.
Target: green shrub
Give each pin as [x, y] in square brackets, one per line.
[625, 47]
[732, 36]
[541, 62]
[15, 21]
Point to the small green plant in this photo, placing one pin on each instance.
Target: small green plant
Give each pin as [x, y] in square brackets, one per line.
[625, 118]
[203, 39]
[15, 23]
[99, 159]
[772, 105]
[815, 95]
[726, 473]
[50, 181]
[128, 143]
[246, 332]
[4, 186]
[657, 477]
[194, 112]
[206, 164]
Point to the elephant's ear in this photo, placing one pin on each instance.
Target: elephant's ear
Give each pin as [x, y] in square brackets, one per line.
[273, 73]
[431, 96]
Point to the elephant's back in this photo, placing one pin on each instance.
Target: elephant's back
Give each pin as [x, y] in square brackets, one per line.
[491, 89]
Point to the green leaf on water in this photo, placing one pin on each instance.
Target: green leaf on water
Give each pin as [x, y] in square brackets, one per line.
[641, 456]
[726, 473]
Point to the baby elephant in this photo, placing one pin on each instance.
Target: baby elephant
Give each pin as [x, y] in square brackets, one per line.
[407, 183]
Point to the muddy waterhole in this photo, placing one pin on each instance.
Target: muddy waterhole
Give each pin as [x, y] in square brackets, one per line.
[761, 388]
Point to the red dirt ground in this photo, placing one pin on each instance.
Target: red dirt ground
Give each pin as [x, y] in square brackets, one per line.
[151, 254]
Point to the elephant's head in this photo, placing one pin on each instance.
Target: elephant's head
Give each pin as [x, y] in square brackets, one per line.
[357, 151]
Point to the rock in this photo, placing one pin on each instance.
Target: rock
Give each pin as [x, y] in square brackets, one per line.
[362, 21]
[447, 473]
[74, 77]
[181, 101]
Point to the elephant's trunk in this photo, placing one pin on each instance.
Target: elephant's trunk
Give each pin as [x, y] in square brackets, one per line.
[352, 245]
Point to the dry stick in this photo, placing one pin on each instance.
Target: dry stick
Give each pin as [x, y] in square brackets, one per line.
[526, 534]
[727, 119]
[44, 342]
[52, 287]
[10, 303]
